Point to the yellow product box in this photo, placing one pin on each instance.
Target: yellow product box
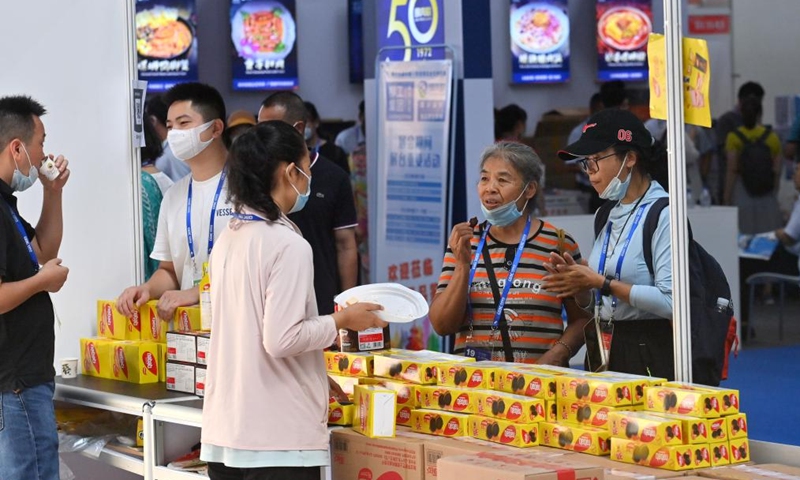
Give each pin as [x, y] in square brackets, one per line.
[720, 454]
[135, 362]
[349, 364]
[204, 289]
[187, 319]
[667, 457]
[727, 398]
[551, 411]
[648, 429]
[347, 384]
[695, 430]
[737, 426]
[420, 367]
[530, 383]
[503, 432]
[140, 432]
[403, 415]
[740, 450]
[407, 395]
[694, 403]
[375, 411]
[717, 429]
[476, 375]
[111, 323]
[452, 399]
[154, 329]
[609, 391]
[510, 407]
[593, 441]
[573, 412]
[97, 357]
[437, 422]
[638, 383]
[162, 360]
[551, 369]
[340, 414]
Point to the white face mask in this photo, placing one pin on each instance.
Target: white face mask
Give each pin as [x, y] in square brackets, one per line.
[617, 188]
[21, 182]
[186, 144]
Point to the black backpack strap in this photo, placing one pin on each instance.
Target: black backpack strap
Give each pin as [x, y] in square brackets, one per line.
[741, 136]
[765, 135]
[601, 217]
[650, 225]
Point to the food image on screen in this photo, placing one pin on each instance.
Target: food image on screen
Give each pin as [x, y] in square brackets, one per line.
[539, 28]
[162, 33]
[263, 30]
[624, 28]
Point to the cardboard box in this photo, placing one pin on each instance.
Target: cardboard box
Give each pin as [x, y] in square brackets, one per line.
[451, 399]
[526, 382]
[717, 429]
[203, 346]
[767, 471]
[420, 367]
[182, 347]
[154, 329]
[727, 398]
[551, 369]
[638, 383]
[593, 441]
[551, 411]
[651, 430]
[347, 384]
[97, 357]
[582, 413]
[162, 361]
[477, 375]
[200, 381]
[133, 331]
[135, 362]
[349, 364]
[340, 414]
[720, 454]
[354, 456]
[500, 466]
[111, 323]
[609, 391]
[503, 432]
[740, 450]
[624, 471]
[187, 319]
[437, 422]
[180, 377]
[668, 457]
[695, 430]
[375, 411]
[407, 394]
[507, 406]
[694, 403]
[737, 426]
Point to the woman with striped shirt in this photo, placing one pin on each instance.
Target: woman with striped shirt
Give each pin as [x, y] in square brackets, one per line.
[490, 292]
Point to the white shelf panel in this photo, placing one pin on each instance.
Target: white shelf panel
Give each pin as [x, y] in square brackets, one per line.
[119, 460]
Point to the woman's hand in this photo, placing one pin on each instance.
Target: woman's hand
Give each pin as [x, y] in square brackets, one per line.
[359, 316]
[567, 278]
[336, 391]
[557, 355]
[459, 243]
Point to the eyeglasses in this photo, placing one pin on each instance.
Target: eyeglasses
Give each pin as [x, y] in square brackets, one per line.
[589, 165]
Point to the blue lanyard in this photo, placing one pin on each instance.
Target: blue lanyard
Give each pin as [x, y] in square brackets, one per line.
[211, 223]
[511, 274]
[24, 234]
[618, 272]
[248, 217]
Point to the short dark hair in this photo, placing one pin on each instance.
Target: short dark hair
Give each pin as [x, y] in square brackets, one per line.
[311, 111]
[153, 148]
[507, 118]
[751, 89]
[156, 107]
[596, 103]
[204, 98]
[16, 118]
[613, 93]
[289, 101]
[253, 160]
[751, 110]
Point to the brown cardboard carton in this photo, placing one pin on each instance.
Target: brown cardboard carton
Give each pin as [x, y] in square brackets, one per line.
[499, 466]
[768, 471]
[355, 456]
[623, 471]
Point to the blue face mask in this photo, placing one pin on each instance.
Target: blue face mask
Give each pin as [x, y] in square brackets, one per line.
[21, 182]
[507, 214]
[302, 198]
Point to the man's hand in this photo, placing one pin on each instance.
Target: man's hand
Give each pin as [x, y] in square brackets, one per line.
[336, 391]
[132, 298]
[58, 184]
[53, 275]
[171, 300]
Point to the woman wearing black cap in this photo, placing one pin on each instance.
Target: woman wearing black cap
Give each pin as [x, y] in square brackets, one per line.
[633, 306]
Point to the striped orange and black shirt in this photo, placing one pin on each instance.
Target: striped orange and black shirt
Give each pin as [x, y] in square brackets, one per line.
[533, 314]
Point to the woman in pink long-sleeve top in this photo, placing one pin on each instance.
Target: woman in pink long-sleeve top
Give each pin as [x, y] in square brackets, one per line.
[266, 399]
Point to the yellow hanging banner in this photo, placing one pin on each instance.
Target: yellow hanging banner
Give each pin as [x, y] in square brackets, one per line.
[696, 79]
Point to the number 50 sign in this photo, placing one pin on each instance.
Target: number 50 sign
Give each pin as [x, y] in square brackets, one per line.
[410, 23]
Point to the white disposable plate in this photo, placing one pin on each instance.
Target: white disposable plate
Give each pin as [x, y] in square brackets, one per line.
[400, 304]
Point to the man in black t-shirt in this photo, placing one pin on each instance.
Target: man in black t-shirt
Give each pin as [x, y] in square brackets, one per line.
[28, 439]
[328, 220]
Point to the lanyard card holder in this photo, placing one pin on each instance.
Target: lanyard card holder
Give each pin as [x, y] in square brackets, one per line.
[598, 335]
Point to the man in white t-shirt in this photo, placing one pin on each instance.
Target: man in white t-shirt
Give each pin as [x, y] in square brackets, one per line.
[195, 210]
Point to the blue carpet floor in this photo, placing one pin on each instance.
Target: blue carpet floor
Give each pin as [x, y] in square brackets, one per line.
[768, 380]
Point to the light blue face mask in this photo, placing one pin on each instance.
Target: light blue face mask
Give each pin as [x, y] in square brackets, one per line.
[302, 198]
[21, 182]
[507, 214]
